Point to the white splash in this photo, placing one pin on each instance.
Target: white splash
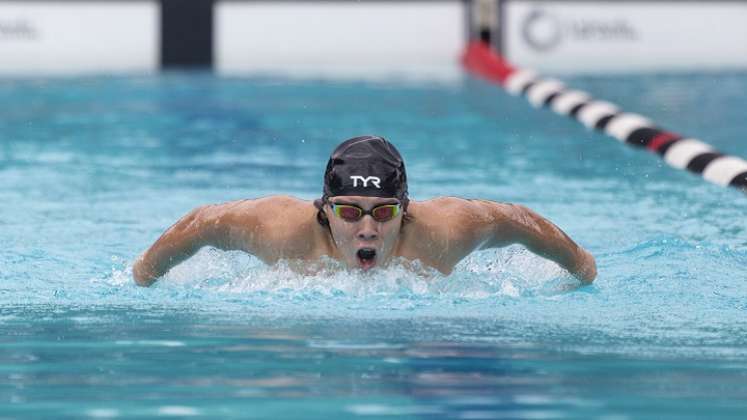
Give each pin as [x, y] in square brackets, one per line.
[510, 272]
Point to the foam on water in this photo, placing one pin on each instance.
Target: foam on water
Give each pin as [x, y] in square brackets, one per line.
[507, 272]
[213, 275]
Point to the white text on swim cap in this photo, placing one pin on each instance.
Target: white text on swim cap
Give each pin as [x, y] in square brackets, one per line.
[375, 180]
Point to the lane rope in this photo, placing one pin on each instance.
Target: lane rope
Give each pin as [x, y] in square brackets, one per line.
[636, 130]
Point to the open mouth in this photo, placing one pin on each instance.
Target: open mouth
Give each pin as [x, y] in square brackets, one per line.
[366, 258]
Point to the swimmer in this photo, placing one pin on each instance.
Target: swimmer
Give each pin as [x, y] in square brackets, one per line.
[364, 219]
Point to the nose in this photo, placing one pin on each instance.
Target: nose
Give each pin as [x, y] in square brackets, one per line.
[367, 231]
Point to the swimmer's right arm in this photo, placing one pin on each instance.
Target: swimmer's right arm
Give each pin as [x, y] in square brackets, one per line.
[204, 226]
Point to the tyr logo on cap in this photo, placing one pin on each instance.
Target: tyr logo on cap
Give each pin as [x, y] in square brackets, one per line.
[375, 180]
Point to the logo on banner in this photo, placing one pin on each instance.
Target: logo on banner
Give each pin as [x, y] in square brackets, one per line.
[541, 30]
[17, 30]
[544, 31]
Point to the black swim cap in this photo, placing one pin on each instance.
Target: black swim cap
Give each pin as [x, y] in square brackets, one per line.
[368, 166]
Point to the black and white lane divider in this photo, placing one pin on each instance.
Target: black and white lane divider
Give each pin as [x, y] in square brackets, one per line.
[678, 151]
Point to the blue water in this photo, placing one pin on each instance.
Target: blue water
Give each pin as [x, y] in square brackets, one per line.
[92, 170]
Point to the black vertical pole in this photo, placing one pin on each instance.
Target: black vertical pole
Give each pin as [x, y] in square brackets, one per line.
[186, 33]
[499, 37]
[469, 21]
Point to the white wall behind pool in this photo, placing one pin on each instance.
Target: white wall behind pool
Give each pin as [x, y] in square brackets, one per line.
[340, 39]
[48, 37]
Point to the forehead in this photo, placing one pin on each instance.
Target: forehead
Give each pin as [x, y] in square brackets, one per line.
[362, 201]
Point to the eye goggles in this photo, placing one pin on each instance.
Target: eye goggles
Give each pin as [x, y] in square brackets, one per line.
[351, 213]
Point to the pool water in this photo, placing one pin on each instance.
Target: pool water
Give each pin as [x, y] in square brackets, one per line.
[92, 171]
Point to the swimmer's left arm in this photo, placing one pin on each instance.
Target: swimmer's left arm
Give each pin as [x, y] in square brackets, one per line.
[518, 224]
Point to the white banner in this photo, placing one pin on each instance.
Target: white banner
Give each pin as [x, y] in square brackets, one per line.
[340, 38]
[74, 37]
[586, 36]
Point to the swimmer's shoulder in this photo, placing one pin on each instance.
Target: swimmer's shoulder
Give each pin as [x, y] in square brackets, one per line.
[454, 220]
[443, 230]
[271, 212]
[271, 227]
[267, 203]
[458, 211]
[285, 205]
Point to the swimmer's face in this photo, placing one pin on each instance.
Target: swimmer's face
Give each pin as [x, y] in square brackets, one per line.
[364, 243]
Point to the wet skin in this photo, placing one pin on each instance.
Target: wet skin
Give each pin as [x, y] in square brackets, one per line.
[438, 233]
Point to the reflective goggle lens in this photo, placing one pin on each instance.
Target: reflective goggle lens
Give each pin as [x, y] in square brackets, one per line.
[348, 213]
[353, 213]
[384, 213]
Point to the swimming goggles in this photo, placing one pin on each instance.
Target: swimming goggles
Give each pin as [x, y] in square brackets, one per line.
[351, 213]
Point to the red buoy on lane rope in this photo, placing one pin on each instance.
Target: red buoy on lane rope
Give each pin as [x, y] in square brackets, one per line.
[478, 59]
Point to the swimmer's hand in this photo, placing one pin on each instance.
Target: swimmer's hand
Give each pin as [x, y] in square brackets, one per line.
[142, 273]
[586, 270]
